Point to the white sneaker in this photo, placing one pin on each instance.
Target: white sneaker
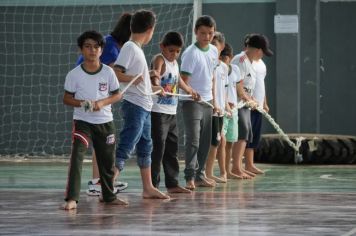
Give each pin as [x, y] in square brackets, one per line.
[94, 187]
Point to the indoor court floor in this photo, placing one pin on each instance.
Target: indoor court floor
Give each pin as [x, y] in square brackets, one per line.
[287, 200]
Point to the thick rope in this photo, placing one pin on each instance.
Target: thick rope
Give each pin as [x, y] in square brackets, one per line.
[298, 157]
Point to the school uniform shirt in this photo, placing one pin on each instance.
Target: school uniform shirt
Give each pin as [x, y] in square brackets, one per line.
[92, 86]
[248, 75]
[169, 82]
[260, 91]
[132, 60]
[221, 82]
[199, 65]
[234, 78]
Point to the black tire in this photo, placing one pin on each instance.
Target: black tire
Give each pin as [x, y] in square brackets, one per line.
[315, 149]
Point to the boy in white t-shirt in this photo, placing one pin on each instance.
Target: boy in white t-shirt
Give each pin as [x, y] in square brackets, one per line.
[198, 63]
[218, 139]
[259, 95]
[91, 88]
[230, 127]
[256, 47]
[164, 110]
[137, 104]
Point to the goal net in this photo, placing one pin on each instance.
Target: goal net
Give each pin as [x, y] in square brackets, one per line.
[38, 48]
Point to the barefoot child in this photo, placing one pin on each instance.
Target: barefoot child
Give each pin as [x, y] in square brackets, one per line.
[218, 139]
[136, 107]
[256, 47]
[91, 88]
[259, 94]
[163, 116]
[113, 43]
[230, 127]
[198, 63]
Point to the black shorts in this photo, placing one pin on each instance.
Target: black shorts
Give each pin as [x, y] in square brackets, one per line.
[217, 124]
[245, 128]
[256, 122]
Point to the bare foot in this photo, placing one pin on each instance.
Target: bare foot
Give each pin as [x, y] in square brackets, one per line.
[205, 183]
[69, 205]
[233, 176]
[242, 174]
[117, 201]
[217, 179]
[154, 193]
[190, 185]
[249, 173]
[255, 170]
[178, 189]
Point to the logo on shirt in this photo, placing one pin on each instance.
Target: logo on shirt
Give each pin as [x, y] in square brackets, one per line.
[103, 86]
[110, 139]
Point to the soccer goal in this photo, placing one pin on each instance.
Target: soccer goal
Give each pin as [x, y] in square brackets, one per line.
[37, 49]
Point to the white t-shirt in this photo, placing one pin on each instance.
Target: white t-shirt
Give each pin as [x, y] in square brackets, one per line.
[248, 75]
[93, 87]
[132, 59]
[169, 82]
[199, 64]
[259, 92]
[221, 82]
[234, 78]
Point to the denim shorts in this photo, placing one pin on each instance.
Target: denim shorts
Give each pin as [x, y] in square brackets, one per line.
[135, 132]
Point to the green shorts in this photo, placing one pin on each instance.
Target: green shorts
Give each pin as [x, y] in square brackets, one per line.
[230, 128]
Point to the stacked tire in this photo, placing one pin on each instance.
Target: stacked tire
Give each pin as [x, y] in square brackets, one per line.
[315, 149]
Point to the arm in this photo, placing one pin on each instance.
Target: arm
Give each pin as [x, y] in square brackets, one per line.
[216, 108]
[113, 98]
[265, 105]
[68, 99]
[122, 77]
[159, 67]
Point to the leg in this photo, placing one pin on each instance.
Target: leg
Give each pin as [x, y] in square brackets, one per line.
[205, 141]
[192, 115]
[104, 142]
[221, 155]
[134, 118]
[215, 141]
[228, 149]
[81, 139]
[95, 169]
[238, 150]
[256, 122]
[159, 132]
[144, 149]
[170, 158]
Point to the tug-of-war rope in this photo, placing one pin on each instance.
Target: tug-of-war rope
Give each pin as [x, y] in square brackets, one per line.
[88, 106]
[298, 158]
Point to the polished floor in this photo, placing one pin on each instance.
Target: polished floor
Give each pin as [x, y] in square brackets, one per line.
[287, 200]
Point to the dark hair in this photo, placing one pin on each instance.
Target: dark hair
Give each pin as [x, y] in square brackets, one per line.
[91, 34]
[173, 38]
[219, 37]
[122, 31]
[205, 21]
[227, 51]
[142, 20]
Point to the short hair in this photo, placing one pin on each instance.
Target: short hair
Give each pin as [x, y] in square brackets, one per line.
[173, 38]
[122, 31]
[142, 20]
[91, 34]
[227, 51]
[205, 20]
[219, 37]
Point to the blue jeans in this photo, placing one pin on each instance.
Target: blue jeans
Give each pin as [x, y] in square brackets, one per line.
[136, 132]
